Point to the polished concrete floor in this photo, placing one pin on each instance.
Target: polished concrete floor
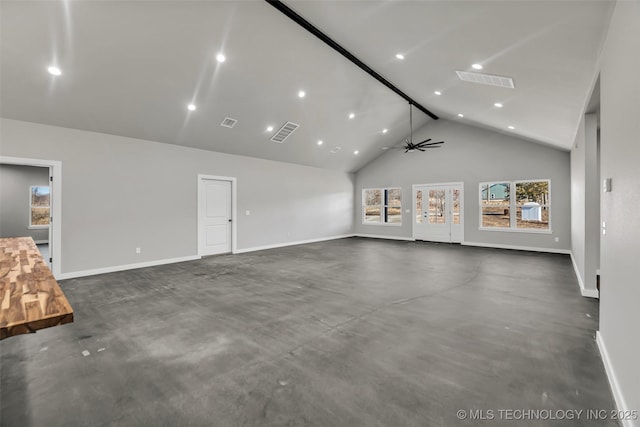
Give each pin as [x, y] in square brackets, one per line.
[352, 332]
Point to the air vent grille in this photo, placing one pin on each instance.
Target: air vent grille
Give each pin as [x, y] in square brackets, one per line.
[285, 131]
[228, 122]
[486, 79]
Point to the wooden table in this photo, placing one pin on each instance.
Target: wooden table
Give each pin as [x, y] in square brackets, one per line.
[30, 297]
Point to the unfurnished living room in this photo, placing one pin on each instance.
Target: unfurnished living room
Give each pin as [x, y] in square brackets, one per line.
[319, 213]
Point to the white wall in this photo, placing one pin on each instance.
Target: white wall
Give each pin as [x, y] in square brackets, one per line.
[585, 204]
[15, 184]
[620, 156]
[578, 159]
[472, 155]
[121, 193]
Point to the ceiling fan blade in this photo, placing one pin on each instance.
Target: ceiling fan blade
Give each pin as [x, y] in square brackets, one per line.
[433, 146]
[420, 149]
[422, 142]
[433, 143]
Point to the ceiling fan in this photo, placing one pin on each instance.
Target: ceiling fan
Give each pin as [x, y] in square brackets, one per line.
[409, 146]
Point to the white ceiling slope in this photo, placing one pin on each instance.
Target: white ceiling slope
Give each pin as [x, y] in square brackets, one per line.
[131, 69]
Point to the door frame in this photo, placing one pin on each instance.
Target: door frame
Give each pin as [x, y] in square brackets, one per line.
[55, 201]
[200, 201]
[413, 203]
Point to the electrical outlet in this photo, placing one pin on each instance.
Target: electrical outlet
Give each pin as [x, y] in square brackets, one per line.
[138, 250]
[247, 213]
[557, 239]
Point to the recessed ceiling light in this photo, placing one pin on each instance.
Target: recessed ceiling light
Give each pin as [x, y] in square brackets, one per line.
[220, 57]
[269, 128]
[54, 70]
[460, 115]
[511, 127]
[356, 152]
[476, 67]
[191, 107]
[320, 142]
[399, 56]
[385, 130]
[302, 94]
[437, 92]
[351, 115]
[498, 104]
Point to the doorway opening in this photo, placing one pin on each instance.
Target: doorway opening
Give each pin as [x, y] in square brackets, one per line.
[438, 212]
[41, 204]
[216, 215]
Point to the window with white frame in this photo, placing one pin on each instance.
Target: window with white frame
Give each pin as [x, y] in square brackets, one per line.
[382, 206]
[39, 206]
[516, 205]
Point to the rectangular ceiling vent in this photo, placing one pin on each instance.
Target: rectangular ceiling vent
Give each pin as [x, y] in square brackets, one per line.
[228, 122]
[285, 131]
[486, 79]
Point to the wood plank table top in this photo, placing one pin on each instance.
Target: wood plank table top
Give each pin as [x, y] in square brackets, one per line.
[30, 297]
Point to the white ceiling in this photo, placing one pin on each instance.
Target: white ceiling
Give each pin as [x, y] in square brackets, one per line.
[131, 69]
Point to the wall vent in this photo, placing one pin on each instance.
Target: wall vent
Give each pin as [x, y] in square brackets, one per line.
[486, 79]
[285, 131]
[228, 122]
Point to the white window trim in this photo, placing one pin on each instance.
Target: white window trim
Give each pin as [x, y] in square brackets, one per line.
[381, 223]
[512, 208]
[37, 226]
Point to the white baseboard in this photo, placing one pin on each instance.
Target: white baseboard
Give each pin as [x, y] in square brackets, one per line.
[376, 236]
[518, 248]
[282, 245]
[613, 381]
[589, 293]
[125, 267]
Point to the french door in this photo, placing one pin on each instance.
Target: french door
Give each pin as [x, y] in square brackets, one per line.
[438, 213]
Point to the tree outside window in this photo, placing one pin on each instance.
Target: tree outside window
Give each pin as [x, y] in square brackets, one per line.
[40, 205]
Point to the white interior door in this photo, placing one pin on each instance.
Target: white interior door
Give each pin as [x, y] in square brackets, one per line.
[438, 213]
[214, 217]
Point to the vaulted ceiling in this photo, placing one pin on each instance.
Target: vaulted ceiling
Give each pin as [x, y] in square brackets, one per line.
[131, 68]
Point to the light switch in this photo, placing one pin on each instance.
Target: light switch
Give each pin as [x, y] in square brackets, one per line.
[247, 213]
[606, 185]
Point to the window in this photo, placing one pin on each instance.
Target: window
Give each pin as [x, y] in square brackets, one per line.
[495, 205]
[39, 204]
[517, 205]
[382, 206]
[532, 210]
